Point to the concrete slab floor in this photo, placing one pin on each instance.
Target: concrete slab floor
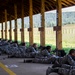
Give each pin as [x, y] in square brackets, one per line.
[2, 72]
[20, 68]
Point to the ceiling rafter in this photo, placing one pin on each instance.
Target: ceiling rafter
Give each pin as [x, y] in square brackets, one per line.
[49, 4]
[47, 8]
[35, 4]
[9, 14]
[66, 2]
[71, 1]
[53, 2]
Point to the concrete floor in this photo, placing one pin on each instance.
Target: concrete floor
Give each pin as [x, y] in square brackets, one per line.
[20, 68]
[2, 72]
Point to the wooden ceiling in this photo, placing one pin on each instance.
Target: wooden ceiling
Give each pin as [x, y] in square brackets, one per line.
[49, 5]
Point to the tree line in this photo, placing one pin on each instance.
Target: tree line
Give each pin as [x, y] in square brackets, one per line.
[50, 19]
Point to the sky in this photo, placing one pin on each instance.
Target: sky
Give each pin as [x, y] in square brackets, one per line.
[68, 9]
[72, 8]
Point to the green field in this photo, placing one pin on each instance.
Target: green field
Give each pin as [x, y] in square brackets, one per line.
[68, 36]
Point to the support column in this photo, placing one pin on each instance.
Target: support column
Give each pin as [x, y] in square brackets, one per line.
[10, 31]
[2, 31]
[6, 24]
[59, 24]
[15, 31]
[42, 32]
[31, 22]
[22, 30]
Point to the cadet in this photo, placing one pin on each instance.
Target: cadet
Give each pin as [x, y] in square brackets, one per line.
[32, 50]
[67, 67]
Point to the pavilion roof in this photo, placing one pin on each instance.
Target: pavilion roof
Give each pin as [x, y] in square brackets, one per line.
[49, 5]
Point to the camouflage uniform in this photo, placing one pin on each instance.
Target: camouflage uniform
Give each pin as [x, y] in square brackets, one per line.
[66, 67]
[44, 57]
[31, 52]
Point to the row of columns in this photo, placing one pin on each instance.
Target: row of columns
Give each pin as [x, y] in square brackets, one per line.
[30, 29]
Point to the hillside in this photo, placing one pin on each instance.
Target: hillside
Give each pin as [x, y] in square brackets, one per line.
[50, 19]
